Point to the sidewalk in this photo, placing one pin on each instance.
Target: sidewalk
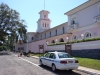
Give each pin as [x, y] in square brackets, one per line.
[89, 70]
[83, 69]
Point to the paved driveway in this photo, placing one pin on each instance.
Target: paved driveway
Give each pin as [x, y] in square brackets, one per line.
[10, 64]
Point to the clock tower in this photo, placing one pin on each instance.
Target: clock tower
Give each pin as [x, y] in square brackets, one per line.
[43, 22]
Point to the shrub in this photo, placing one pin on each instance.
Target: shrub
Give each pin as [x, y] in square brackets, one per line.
[76, 41]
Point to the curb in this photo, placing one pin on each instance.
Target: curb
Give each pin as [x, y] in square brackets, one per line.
[88, 72]
[81, 70]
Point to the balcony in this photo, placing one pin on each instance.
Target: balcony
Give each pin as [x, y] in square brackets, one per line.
[73, 26]
[97, 19]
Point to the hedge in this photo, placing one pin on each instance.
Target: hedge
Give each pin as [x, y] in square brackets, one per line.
[76, 41]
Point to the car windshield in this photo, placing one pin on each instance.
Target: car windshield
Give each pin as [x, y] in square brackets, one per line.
[64, 55]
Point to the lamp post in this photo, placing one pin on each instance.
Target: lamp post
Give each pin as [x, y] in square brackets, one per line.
[82, 35]
[56, 40]
[47, 43]
[67, 39]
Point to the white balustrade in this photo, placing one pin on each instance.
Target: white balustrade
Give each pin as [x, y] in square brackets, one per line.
[73, 26]
[97, 18]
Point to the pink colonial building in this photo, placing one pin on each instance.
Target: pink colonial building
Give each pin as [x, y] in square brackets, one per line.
[83, 23]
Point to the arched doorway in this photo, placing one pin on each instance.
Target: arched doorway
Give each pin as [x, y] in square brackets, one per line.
[61, 40]
[53, 41]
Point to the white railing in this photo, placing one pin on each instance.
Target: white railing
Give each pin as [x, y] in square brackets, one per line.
[97, 18]
[73, 26]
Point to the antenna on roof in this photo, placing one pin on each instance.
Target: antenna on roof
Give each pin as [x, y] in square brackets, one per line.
[44, 4]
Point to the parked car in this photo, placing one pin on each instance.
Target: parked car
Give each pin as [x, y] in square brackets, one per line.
[59, 60]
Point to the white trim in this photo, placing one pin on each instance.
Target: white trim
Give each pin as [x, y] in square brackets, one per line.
[82, 6]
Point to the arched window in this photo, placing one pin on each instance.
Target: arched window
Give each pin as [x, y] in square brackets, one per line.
[75, 38]
[53, 41]
[87, 35]
[32, 38]
[61, 40]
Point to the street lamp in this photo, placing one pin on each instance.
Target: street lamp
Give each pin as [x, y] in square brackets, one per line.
[67, 38]
[56, 40]
[47, 43]
[82, 35]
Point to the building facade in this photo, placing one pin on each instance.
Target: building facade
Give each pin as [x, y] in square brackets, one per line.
[83, 23]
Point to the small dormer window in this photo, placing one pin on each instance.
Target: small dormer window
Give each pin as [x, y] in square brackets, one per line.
[73, 21]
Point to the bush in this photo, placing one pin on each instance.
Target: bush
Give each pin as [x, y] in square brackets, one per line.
[76, 41]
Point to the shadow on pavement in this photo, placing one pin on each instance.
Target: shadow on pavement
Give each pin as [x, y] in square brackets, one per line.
[60, 72]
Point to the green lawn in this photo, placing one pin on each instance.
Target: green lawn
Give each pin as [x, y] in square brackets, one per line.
[85, 62]
[89, 63]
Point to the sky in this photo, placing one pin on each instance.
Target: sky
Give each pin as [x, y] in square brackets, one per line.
[29, 10]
